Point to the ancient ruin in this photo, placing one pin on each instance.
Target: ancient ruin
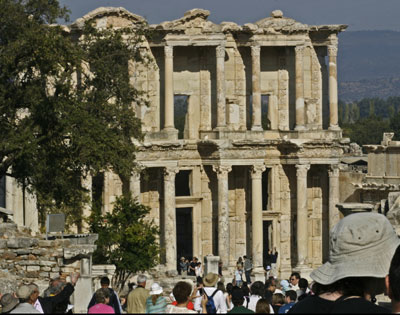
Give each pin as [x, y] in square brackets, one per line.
[242, 143]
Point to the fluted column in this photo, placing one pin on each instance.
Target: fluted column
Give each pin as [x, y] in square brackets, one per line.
[256, 85]
[333, 88]
[334, 215]
[221, 102]
[300, 113]
[169, 87]
[134, 185]
[170, 218]
[223, 212]
[302, 231]
[256, 214]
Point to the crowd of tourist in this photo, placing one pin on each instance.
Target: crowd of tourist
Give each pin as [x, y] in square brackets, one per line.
[364, 261]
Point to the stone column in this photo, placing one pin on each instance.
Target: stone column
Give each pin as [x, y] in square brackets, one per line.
[256, 85]
[169, 88]
[334, 215]
[221, 102]
[170, 219]
[333, 88]
[87, 184]
[300, 113]
[134, 185]
[256, 215]
[223, 212]
[302, 231]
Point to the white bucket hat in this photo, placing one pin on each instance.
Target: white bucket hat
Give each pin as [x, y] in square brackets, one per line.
[361, 245]
[156, 289]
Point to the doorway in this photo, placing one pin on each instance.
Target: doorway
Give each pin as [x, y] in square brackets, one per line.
[184, 233]
[267, 242]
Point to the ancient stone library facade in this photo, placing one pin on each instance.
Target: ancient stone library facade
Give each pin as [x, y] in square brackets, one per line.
[242, 143]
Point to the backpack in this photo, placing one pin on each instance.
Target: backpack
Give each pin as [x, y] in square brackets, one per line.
[210, 306]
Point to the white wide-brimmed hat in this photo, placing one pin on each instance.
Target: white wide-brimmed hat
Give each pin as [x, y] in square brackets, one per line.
[361, 245]
[156, 289]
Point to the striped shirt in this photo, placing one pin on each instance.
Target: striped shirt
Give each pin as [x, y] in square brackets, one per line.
[159, 307]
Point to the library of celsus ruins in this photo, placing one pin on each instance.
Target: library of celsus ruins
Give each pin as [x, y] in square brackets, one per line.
[242, 144]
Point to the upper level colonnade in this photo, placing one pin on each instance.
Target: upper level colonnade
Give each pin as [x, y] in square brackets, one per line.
[235, 77]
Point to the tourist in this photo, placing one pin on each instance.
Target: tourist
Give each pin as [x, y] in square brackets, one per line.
[239, 262]
[246, 290]
[303, 289]
[256, 293]
[27, 298]
[137, 298]
[102, 298]
[294, 281]
[199, 270]
[238, 299]
[248, 266]
[278, 299]
[156, 303]
[192, 267]
[393, 282]
[269, 289]
[183, 266]
[8, 302]
[285, 285]
[114, 300]
[211, 291]
[274, 258]
[263, 307]
[362, 246]
[220, 264]
[182, 293]
[238, 275]
[229, 288]
[290, 300]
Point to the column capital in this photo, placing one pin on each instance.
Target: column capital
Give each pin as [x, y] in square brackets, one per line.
[302, 170]
[255, 50]
[170, 172]
[257, 170]
[222, 170]
[299, 49]
[333, 170]
[220, 50]
[169, 51]
[332, 50]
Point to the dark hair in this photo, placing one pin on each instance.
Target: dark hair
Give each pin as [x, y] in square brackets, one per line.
[303, 283]
[296, 275]
[394, 275]
[101, 295]
[105, 281]
[352, 286]
[278, 298]
[292, 295]
[257, 288]
[237, 301]
[245, 288]
[262, 306]
[182, 291]
[199, 280]
[229, 288]
[221, 286]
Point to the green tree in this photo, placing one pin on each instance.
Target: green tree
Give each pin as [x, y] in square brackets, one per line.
[126, 238]
[65, 103]
[367, 130]
[395, 126]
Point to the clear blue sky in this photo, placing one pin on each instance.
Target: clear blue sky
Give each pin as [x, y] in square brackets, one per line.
[358, 14]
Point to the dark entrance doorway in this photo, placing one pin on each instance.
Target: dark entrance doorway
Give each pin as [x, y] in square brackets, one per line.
[267, 242]
[184, 233]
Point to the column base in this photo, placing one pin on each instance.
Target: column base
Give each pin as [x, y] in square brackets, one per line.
[257, 128]
[300, 127]
[334, 127]
[170, 133]
[304, 271]
[171, 273]
[258, 274]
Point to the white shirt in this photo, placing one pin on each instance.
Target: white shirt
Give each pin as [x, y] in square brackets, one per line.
[219, 300]
[253, 303]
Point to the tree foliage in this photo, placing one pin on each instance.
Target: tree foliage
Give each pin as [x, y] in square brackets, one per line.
[65, 103]
[126, 238]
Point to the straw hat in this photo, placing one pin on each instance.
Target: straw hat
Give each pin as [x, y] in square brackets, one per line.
[361, 245]
[210, 279]
[8, 302]
[156, 289]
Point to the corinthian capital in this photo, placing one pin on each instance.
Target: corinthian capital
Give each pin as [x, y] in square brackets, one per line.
[257, 170]
[169, 173]
[333, 170]
[169, 51]
[222, 170]
[302, 170]
[255, 50]
[299, 50]
[220, 51]
[332, 51]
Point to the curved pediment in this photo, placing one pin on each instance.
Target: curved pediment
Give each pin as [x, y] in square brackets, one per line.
[110, 17]
[280, 24]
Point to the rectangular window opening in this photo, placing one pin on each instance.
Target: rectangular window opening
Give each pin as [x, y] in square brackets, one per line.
[181, 103]
[265, 122]
[182, 183]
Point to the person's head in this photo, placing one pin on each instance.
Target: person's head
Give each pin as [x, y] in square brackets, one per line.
[210, 280]
[393, 279]
[141, 280]
[294, 278]
[105, 282]
[237, 296]
[361, 248]
[221, 286]
[102, 296]
[8, 302]
[270, 285]
[155, 291]
[34, 293]
[257, 288]
[199, 281]
[245, 288]
[285, 285]
[290, 296]
[278, 299]
[244, 257]
[182, 291]
[240, 259]
[229, 288]
[262, 306]
[303, 284]
[23, 293]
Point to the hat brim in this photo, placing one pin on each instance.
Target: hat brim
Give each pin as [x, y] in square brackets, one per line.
[10, 306]
[210, 282]
[156, 292]
[374, 264]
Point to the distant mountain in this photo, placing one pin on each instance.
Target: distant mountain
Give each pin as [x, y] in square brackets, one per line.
[369, 64]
